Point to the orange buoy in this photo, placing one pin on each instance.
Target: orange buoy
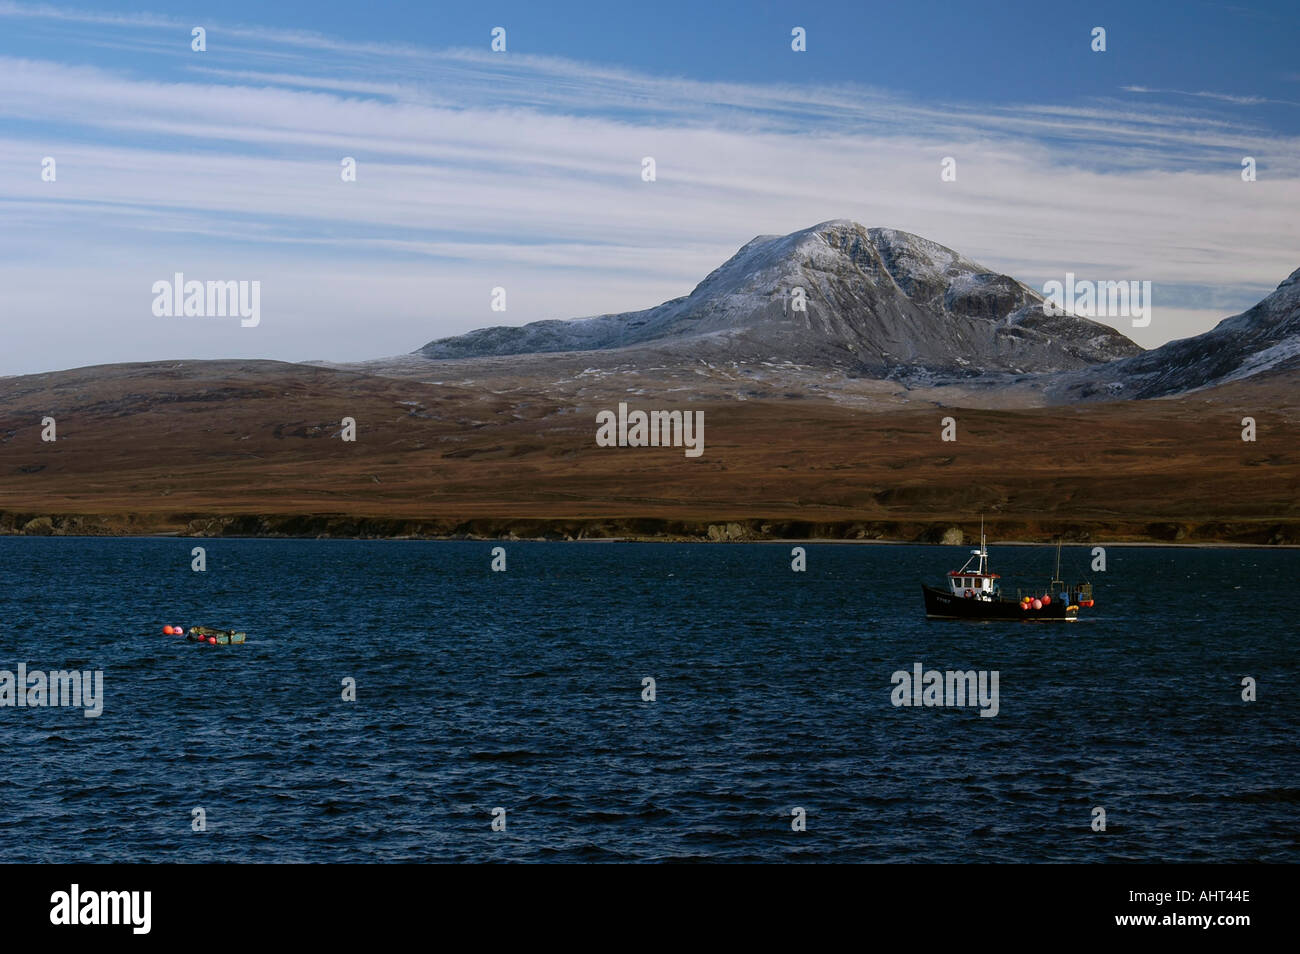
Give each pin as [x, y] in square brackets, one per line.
[167, 630]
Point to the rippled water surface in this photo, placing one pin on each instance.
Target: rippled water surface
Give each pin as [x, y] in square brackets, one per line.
[523, 690]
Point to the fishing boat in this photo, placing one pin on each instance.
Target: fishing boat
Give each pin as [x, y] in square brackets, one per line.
[973, 592]
[207, 634]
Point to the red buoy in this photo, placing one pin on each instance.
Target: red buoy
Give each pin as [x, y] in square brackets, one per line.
[1047, 600]
[212, 640]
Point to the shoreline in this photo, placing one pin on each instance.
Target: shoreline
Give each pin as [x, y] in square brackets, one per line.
[814, 541]
[1001, 531]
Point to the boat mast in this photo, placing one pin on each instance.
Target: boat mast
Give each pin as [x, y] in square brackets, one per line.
[984, 549]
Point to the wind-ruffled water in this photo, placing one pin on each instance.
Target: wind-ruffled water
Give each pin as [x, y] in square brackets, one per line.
[523, 690]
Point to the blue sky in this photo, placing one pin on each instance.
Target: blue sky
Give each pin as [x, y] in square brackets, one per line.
[522, 169]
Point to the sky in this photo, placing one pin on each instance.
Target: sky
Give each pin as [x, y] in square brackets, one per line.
[522, 169]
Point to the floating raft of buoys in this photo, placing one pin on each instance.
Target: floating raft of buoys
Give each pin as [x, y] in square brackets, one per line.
[206, 634]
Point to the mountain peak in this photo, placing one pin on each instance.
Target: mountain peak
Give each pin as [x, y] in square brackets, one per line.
[915, 264]
[1263, 338]
[875, 300]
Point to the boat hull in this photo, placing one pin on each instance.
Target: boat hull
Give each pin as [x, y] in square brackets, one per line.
[224, 637]
[940, 604]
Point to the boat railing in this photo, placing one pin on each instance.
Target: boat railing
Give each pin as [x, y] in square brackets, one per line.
[1074, 591]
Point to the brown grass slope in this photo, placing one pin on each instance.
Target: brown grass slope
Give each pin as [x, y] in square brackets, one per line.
[248, 447]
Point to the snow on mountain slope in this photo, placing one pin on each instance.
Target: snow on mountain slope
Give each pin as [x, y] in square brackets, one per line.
[1262, 339]
[879, 302]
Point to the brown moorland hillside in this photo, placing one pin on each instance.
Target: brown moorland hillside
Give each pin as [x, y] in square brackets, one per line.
[252, 447]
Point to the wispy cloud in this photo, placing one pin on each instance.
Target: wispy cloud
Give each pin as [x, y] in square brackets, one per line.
[478, 169]
[1219, 97]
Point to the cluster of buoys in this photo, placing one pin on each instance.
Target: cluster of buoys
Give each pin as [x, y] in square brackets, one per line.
[170, 630]
[1035, 602]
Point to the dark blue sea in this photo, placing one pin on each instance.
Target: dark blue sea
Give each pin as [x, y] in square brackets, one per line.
[522, 690]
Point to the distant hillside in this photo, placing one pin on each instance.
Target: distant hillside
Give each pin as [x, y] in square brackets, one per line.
[253, 447]
[1264, 339]
[879, 302]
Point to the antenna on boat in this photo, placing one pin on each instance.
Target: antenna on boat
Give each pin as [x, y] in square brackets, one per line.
[984, 548]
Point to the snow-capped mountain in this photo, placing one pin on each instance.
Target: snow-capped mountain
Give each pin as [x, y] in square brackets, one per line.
[879, 302]
[1264, 338]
